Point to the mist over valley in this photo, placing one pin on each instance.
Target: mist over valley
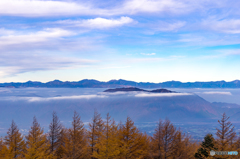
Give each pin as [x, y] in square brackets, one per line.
[186, 108]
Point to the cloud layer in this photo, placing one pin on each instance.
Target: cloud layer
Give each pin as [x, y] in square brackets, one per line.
[97, 23]
[162, 94]
[36, 8]
[18, 38]
[219, 93]
[230, 26]
[39, 99]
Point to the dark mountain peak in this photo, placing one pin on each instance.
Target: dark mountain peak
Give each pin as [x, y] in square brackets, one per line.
[131, 89]
[125, 89]
[162, 91]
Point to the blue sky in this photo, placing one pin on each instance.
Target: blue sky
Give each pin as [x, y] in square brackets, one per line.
[139, 40]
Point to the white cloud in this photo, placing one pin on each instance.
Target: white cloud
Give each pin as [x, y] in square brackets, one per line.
[34, 8]
[4, 90]
[4, 31]
[13, 64]
[220, 93]
[13, 38]
[231, 52]
[230, 26]
[98, 23]
[162, 94]
[37, 99]
[148, 54]
[153, 6]
[207, 39]
[18, 51]
[50, 39]
[41, 50]
[164, 26]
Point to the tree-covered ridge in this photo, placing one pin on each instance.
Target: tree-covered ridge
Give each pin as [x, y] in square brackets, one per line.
[105, 139]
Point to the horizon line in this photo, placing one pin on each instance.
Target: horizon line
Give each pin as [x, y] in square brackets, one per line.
[122, 80]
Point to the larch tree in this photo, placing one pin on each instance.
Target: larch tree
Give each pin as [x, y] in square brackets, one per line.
[77, 143]
[166, 142]
[108, 143]
[187, 147]
[55, 128]
[37, 143]
[14, 141]
[156, 142]
[183, 147]
[95, 132]
[179, 146]
[133, 144]
[3, 150]
[62, 148]
[237, 145]
[226, 134]
[168, 136]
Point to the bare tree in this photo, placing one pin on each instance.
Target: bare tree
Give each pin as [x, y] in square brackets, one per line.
[55, 129]
[225, 134]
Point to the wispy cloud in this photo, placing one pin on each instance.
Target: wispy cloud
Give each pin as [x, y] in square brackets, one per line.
[207, 39]
[153, 6]
[33, 8]
[97, 23]
[51, 39]
[231, 51]
[36, 8]
[39, 99]
[12, 64]
[15, 38]
[148, 54]
[4, 31]
[230, 26]
[163, 26]
[26, 51]
[222, 53]
[220, 93]
[154, 59]
[162, 94]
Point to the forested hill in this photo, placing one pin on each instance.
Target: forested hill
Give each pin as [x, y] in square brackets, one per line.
[134, 89]
[86, 83]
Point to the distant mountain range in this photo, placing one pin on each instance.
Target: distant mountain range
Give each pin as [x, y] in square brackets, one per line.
[86, 83]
